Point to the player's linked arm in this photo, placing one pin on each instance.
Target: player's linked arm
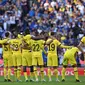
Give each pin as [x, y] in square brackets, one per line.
[49, 42]
[37, 38]
[64, 46]
[3, 41]
[80, 47]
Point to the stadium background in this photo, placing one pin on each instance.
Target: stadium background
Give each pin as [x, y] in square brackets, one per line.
[64, 17]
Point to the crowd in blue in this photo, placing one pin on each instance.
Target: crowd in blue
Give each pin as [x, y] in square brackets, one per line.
[64, 17]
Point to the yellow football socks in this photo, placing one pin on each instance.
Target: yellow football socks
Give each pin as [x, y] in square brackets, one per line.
[49, 73]
[56, 73]
[35, 73]
[63, 73]
[25, 75]
[9, 73]
[5, 76]
[42, 73]
[15, 72]
[76, 73]
[18, 73]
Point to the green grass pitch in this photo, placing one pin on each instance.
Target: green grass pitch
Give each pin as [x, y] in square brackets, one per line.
[70, 80]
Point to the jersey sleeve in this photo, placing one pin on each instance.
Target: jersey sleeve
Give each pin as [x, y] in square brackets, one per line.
[3, 41]
[48, 41]
[83, 40]
[58, 43]
[77, 49]
[43, 42]
[27, 37]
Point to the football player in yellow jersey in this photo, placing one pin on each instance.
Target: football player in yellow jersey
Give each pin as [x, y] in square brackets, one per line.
[27, 56]
[15, 44]
[52, 58]
[7, 56]
[70, 55]
[81, 44]
[37, 47]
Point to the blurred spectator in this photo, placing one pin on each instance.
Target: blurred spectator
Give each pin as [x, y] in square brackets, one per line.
[64, 17]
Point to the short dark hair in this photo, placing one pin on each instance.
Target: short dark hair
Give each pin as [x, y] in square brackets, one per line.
[7, 34]
[27, 31]
[36, 33]
[52, 33]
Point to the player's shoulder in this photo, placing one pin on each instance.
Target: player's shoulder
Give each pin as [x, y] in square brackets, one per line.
[56, 41]
[48, 39]
[14, 40]
[27, 36]
[42, 41]
[75, 48]
[83, 38]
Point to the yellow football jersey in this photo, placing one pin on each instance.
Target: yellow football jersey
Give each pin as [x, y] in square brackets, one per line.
[83, 40]
[37, 45]
[5, 45]
[71, 52]
[3, 41]
[52, 47]
[27, 37]
[16, 43]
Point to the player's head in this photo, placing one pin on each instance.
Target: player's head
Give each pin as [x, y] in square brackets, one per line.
[46, 35]
[27, 31]
[36, 33]
[52, 33]
[15, 34]
[7, 34]
[20, 35]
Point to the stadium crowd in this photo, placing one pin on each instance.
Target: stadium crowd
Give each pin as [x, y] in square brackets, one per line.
[64, 17]
[32, 28]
